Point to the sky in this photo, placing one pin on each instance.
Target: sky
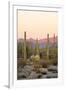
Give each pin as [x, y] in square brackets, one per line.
[37, 24]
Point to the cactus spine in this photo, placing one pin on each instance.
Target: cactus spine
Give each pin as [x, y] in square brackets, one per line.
[25, 54]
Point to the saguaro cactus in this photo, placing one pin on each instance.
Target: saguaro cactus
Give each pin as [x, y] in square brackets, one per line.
[37, 57]
[37, 47]
[54, 40]
[25, 54]
[47, 46]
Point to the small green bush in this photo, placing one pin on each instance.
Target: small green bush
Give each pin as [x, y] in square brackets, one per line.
[37, 58]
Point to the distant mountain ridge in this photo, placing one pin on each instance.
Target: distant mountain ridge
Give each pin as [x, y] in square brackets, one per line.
[51, 40]
[42, 42]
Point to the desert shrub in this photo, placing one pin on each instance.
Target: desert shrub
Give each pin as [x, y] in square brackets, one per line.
[37, 58]
[32, 58]
[55, 62]
[37, 67]
[44, 64]
[36, 63]
[24, 62]
[21, 62]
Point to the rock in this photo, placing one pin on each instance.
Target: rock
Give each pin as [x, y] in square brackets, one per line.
[52, 68]
[25, 72]
[52, 75]
[34, 75]
[19, 69]
[44, 76]
[32, 57]
[28, 68]
[39, 76]
[22, 75]
[43, 70]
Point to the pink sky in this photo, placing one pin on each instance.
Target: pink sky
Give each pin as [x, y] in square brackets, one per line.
[37, 24]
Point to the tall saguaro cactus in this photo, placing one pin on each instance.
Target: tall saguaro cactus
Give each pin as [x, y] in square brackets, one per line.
[54, 40]
[37, 47]
[36, 57]
[25, 54]
[47, 46]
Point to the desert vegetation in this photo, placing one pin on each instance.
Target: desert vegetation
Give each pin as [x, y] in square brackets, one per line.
[35, 61]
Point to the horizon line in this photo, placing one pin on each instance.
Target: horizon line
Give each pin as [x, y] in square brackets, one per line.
[38, 38]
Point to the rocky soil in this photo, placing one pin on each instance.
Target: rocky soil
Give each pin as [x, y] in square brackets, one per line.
[28, 72]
